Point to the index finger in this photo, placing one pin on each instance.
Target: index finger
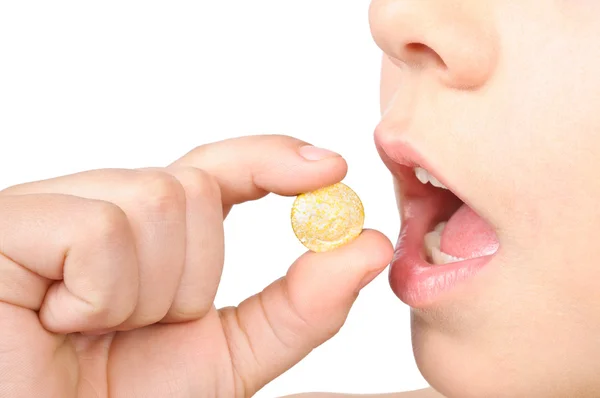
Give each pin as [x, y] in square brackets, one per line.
[250, 167]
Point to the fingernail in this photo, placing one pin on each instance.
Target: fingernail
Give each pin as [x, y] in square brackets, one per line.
[310, 152]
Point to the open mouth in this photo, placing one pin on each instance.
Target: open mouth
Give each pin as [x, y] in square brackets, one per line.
[465, 235]
[442, 241]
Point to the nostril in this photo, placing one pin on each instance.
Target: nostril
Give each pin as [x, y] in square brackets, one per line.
[424, 56]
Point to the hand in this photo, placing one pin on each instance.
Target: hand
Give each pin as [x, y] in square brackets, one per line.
[108, 278]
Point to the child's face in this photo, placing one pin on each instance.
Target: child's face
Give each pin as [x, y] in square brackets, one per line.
[501, 98]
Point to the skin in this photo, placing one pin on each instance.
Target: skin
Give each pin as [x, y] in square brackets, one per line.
[132, 258]
[501, 97]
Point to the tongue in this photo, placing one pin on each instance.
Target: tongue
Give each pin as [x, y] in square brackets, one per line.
[467, 235]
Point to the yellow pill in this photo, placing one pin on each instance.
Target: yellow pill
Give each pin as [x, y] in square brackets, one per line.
[328, 217]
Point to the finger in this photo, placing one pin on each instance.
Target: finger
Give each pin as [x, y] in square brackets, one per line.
[204, 245]
[74, 259]
[270, 332]
[247, 168]
[154, 203]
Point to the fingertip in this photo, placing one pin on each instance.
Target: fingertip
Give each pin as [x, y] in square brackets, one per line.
[370, 246]
[381, 253]
[343, 268]
[298, 174]
[377, 243]
[248, 168]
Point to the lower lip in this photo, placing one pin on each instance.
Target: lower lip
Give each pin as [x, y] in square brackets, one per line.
[415, 281]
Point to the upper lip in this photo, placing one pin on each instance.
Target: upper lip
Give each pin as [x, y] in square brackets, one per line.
[401, 158]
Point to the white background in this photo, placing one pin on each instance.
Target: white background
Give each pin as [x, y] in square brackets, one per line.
[130, 84]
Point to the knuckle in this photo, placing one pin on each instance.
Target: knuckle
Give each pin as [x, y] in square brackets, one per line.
[212, 150]
[199, 185]
[112, 241]
[160, 193]
[104, 237]
[122, 312]
[200, 150]
[100, 310]
[275, 142]
[106, 312]
[284, 139]
[110, 223]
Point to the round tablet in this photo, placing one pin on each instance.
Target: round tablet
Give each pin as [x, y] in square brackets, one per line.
[328, 217]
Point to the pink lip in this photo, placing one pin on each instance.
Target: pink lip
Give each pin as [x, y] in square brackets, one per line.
[401, 158]
[415, 281]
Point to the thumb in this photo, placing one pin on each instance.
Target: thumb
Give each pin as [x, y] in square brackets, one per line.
[271, 331]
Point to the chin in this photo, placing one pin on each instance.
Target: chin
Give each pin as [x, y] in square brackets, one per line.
[448, 363]
[483, 364]
[452, 368]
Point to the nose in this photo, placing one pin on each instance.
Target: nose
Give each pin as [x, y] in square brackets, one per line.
[454, 39]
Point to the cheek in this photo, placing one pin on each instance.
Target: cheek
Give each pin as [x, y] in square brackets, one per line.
[531, 138]
[550, 140]
[390, 81]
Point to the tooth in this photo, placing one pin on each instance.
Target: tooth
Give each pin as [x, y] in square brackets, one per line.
[436, 256]
[450, 259]
[422, 175]
[440, 258]
[440, 227]
[432, 241]
[434, 181]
